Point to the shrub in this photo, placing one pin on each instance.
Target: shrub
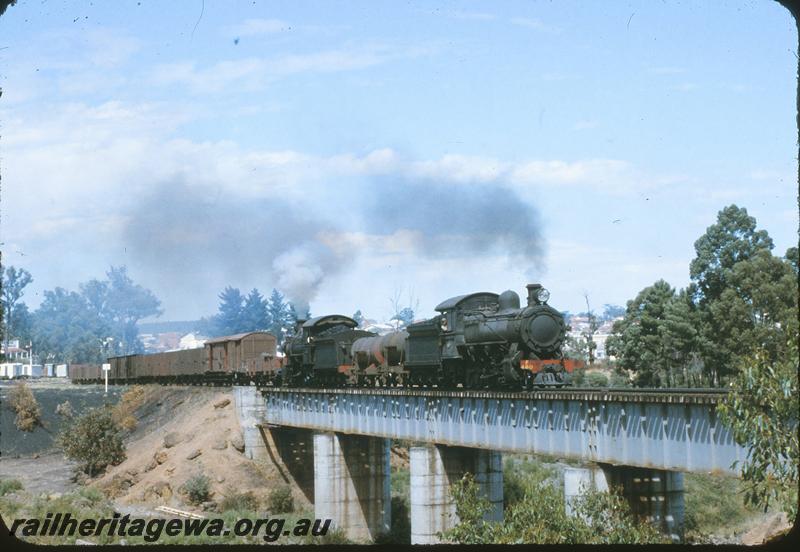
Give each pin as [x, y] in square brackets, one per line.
[761, 409]
[619, 379]
[65, 410]
[198, 488]
[9, 486]
[540, 518]
[130, 400]
[597, 379]
[280, 500]
[22, 401]
[93, 440]
[236, 501]
[519, 474]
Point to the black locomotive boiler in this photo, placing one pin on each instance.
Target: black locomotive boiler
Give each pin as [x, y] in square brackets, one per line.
[480, 340]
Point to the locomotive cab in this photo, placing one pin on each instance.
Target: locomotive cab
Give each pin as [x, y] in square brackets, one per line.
[320, 353]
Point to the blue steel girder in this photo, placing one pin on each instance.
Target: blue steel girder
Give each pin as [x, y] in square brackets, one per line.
[678, 431]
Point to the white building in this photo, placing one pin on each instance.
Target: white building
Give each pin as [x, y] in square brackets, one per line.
[10, 370]
[14, 352]
[61, 371]
[32, 370]
[192, 341]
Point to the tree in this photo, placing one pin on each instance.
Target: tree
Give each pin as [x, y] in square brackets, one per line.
[610, 312]
[14, 282]
[588, 335]
[67, 329]
[279, 316]
[125, 303]
[254, 313]
[762, 410]
[742, 298]
[229, 317]
[637, 339]
[732, 239]
[681, 340]
[405, 316]
[743, 293]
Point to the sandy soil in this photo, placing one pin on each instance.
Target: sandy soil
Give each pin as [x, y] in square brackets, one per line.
[184, 432]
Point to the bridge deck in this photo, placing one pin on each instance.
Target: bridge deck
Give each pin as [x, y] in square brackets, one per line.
[673, 429]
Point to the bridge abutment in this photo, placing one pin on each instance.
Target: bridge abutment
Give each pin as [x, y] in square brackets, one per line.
[251, 409]
[657, 495]
[352, 483]
[434, 469]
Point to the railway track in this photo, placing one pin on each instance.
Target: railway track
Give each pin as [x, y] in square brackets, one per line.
[667, 395]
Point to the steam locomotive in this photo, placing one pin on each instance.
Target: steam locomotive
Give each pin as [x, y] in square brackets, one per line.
[480, 340]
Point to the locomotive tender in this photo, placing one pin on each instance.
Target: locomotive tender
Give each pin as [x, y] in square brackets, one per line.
[478, 341]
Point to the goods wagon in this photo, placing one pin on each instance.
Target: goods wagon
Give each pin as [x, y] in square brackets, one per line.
[229, 359]
[85, 373]
[250, 355]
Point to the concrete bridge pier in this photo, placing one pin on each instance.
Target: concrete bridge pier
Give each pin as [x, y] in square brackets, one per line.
[657, 495]
[251, 409]
[433, 470]
[351, 483]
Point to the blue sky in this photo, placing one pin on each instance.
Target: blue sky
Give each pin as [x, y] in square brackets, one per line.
[351, 152]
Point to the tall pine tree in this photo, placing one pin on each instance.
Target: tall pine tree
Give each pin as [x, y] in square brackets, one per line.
[229, 319]
[279, 316]
[254, 312]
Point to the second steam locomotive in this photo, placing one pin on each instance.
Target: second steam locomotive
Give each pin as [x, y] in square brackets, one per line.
[481, 340]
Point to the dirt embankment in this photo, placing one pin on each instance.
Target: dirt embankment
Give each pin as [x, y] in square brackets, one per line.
[183, 432]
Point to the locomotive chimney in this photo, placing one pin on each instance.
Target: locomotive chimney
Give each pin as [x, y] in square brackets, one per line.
[533, 291]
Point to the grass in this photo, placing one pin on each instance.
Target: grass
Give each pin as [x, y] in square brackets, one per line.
[90, 503]
[9, 486]
[714, 505]
[236, 501]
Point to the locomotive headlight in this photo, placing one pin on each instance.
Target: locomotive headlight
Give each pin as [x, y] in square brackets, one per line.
[543, 295]
[443, 323]
[310, 339]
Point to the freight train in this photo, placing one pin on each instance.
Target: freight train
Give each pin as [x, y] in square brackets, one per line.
[477, 341]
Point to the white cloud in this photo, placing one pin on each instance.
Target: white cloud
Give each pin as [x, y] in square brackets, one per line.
[254, 73]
